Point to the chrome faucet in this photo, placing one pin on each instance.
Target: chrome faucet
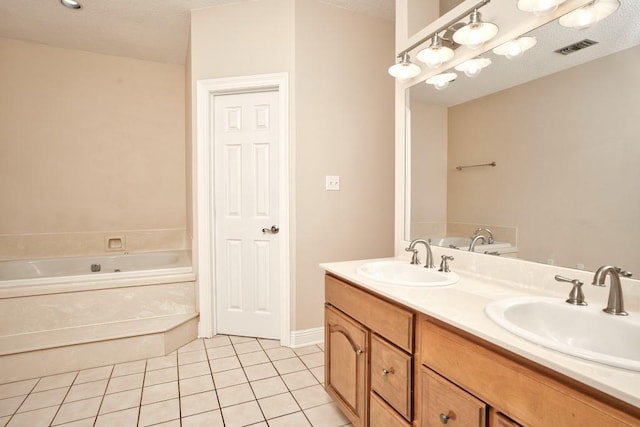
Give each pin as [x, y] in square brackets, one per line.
[472, 246]
[615, 305]
[484, 230]
[415, 259]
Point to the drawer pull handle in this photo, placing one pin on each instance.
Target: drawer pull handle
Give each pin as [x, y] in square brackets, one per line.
[444, 419]
[386, 372]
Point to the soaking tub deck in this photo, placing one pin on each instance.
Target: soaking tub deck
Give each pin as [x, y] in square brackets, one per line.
[52, 271]
[76, 319]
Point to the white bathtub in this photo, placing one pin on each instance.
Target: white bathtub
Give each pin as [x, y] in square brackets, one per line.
[56, 315]
[463, 243]
[79, 269]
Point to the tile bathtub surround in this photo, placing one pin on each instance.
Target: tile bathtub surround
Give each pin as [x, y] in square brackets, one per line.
[70, 244]
[223, 381]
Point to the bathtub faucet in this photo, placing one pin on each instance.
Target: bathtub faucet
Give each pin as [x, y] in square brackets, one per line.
[472, 246]
[489, 234]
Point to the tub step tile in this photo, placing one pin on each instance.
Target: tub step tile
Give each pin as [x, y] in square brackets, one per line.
[74, 349]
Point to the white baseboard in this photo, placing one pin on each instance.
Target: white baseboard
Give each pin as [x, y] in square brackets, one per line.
[306, 337]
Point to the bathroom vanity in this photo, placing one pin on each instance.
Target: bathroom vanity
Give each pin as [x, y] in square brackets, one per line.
[402, 355]
[410, 356]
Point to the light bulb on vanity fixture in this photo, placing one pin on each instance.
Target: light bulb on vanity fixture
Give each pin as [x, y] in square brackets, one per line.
[404, 69]
[444, 40]
[515, 48]
[539, 7]
[436, 54]
[441, 81]
[589, 14]
[476, 32]
[472, 67]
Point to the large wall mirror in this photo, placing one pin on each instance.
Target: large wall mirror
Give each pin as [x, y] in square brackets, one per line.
[564, 133]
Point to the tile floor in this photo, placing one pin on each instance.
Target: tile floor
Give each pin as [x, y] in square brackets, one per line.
[223, 381]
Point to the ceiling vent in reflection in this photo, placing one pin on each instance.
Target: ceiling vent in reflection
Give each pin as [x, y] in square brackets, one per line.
[576, 47]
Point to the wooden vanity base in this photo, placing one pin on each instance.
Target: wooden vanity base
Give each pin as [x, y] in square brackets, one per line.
[386, 365]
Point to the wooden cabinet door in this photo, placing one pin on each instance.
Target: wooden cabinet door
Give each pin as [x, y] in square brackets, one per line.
[346, 361]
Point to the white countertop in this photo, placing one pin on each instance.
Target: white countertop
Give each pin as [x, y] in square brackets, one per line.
[462, 305]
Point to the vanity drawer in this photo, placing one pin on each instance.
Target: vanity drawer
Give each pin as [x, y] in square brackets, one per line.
[498, 419]
[389, 320]
[513, 385]
[391, 375]
[381, 415]
[446, 403]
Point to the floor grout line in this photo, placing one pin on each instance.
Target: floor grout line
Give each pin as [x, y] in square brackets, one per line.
[270, 361]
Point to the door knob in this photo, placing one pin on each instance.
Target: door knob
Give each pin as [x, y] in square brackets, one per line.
[273, 230]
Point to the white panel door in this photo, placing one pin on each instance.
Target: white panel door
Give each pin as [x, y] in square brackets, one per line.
[246, 214]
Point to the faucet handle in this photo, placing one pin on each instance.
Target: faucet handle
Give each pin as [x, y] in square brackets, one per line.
[625, 273]
[414, 257]
[444, 265]
[576, 296]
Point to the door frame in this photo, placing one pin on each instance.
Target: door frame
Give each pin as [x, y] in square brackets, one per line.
[203, 188]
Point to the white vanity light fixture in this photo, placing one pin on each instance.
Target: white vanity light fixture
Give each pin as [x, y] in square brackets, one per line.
[476, 32]
[436, 54]
[589, 14]
[71, 4]
[473, 35]
[539, 7]
[515, 48]
[441, 81]
[472, 67]
[404, 69]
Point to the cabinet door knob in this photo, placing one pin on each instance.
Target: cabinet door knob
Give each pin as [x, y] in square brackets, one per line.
[444, 418]
[386, 372]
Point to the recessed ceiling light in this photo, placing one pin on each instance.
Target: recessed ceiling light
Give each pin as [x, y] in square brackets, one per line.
[71, 4]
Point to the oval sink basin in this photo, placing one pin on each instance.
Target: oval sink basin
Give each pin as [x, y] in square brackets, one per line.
[405, 274]
[585, 332]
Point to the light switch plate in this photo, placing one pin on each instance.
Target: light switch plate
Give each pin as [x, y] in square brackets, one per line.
[332, 183]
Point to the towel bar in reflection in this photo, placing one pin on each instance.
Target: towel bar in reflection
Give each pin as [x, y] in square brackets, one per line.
[492, 164]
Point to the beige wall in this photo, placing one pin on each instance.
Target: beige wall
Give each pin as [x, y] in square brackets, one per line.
[421, 13]
[242, 38]
[341, 116]
[345, 119]
[91, 144]
[188, 158]
[567, 150]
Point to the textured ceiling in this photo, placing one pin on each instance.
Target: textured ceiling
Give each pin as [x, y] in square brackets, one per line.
[155, 30]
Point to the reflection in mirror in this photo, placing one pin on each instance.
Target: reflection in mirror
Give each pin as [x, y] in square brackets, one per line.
[564, 132]
[421, 13]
